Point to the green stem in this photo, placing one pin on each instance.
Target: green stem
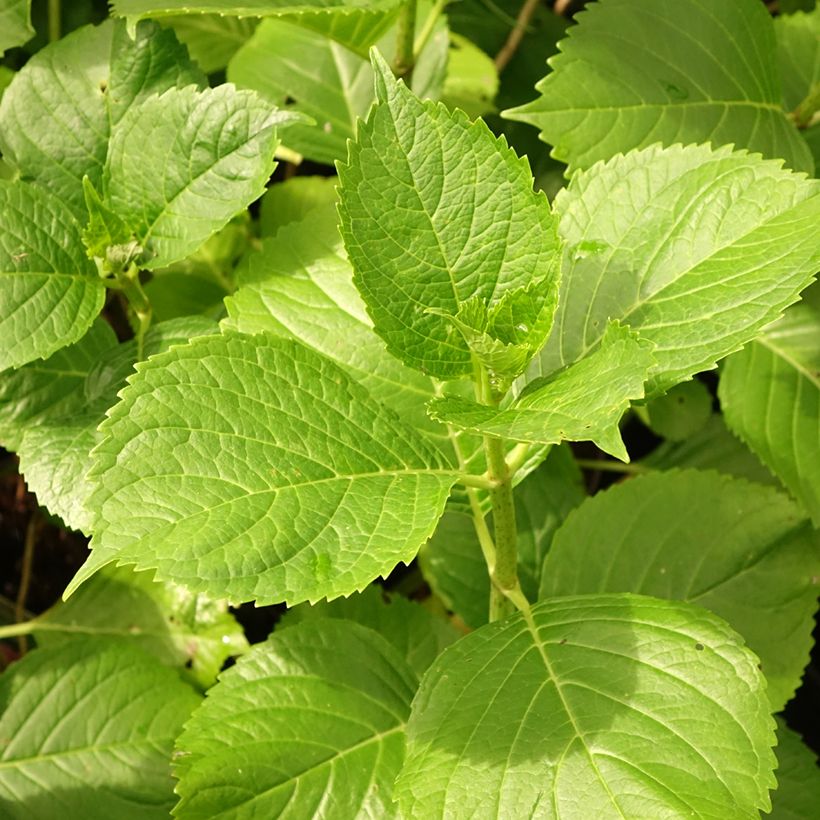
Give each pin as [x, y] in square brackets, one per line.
[428, 28]
[804, 113]
[612, 466]
[138, 301]
[32, 530]
[54, 20]
[405, 36]
[516, 35]
[17, 630]
[518, 457]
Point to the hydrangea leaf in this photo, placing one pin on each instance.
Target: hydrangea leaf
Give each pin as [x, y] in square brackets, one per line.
[57, 114]
[584, 402]
[741, 550]
[50, 292]
[696, 250]
[309, 723]
[770, 395]
[472, 79]
[48, 389]
[88, 720]
[281, 479]
[680, 413]
[54, 451]
[435, 211]
[452, 563]
[182, 164]
[293, 200]
[697, 72]
[355, 24]
[798, 778]
[180, 628]
[416, 633]
[603, 706]
[15, 23]
[211, 39]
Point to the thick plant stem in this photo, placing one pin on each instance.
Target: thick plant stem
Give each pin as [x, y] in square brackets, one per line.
[505, 572]
[405, 39]
[54, 20]
[138, 301]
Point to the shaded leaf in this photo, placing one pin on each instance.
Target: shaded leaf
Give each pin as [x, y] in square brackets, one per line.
[798, 778]
[15, 23]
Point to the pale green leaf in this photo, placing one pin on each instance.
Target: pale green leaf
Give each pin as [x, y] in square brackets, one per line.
[15, 23]
[48, 389]
[472, 79]
[770, 395]
[355, 24]
[251, 467]
[696, 72]
[798, 778]
[293, 200]
[211, 39]
[182, 164]
[89, 726]
[605, 706]
[452, 563]
[54, 451]
[713, 447]
[57, 115]
[696, 250]
[50, 292]
[178, 627]
[416, 633]
[741, 550]
[308, 724]
[680, 413]
[584, 402]
[435, 211]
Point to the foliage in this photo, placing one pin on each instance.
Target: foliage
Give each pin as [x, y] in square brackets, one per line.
[355, 399]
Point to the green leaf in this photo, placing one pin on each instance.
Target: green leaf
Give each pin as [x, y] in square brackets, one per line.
[770, 395]
[58, 113]
[48, 389]
[584, 402]
[798, 51]
[355, 24]
[182, 164]
[54, 452]
[15, 23]
[211, 39]
[696, 72]
[50, 293]
[451, 560]
[106, 235]
[314, 488]
[436, 211]
[798, 778]
[165, 620]
[598, 706]
[741, 550]
[713, 447]
[680, 413]
[294, 200]
[310, 723]
[89, 721]
[417, 634]
[696, 250]
[472, 79]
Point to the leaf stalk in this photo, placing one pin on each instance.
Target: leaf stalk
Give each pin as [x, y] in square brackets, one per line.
[405, 40]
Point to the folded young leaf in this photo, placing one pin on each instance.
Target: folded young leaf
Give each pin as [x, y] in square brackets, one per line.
[56, 116]
[452, 563]
[584, 402]
[252, 468]
[696, 250]
[90, 720]
[165, 620]
[697, 72]
[798, 778]
[355, 24]
[310, 723]
[182, 164]
[596, 706]
[50, 292]
[54, 451]
[15, 23]
[741, 550]
[416, 633]
[770, 395]
[436, 211]
[50, 389]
